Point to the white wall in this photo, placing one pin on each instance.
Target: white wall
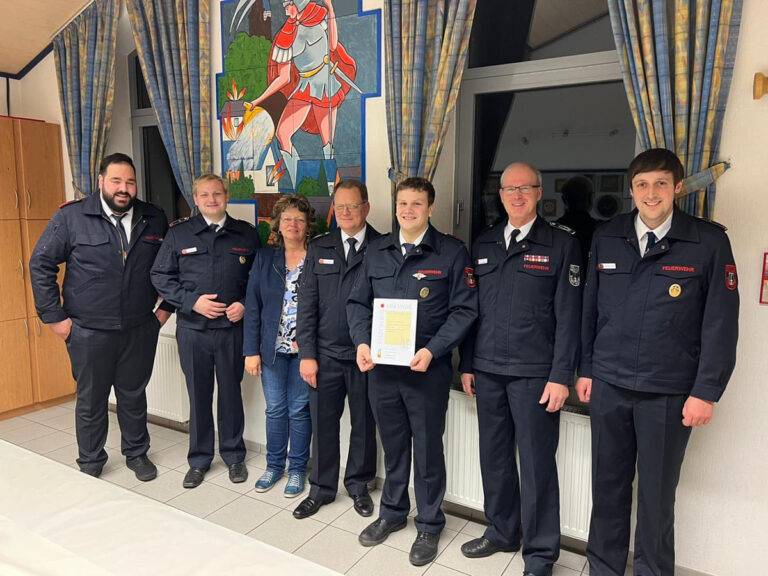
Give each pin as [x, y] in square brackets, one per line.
[722, 506]
[4, 89]
[722, 510]
[37, 96]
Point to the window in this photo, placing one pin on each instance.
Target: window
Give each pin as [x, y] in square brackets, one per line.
[153, 168]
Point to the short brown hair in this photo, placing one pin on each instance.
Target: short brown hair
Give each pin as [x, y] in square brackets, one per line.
[656, 160]
[419, 184]
[352, 183]
[210, 178]
[286, 202]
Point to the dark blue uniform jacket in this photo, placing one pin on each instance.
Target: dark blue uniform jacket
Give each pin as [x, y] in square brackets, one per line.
[666, 323]
[327, 280]
[99, 292]
[530, 305]
[264, 304]
[195, 261]
[441, 265]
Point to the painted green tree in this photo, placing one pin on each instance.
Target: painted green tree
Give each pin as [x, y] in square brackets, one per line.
[264, 232]
[246, 62]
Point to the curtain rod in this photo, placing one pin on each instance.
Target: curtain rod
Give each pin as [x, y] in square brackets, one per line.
[68, 22]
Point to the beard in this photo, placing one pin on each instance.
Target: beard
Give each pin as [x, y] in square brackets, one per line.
[114, 206]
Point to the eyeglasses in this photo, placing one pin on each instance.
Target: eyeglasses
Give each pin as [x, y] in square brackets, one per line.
[348, 207]
[289, 220]
[525, 190]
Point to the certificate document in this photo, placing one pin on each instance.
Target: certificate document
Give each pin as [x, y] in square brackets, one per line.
[393, 331]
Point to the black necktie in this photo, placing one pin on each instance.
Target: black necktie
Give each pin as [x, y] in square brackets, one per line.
[214, 227]
[513, 239]
[121, 231]
[408, 248]
[651, 242]
[352, 251]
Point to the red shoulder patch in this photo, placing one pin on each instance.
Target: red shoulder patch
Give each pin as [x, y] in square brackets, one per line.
[469, 277]
[731, 277]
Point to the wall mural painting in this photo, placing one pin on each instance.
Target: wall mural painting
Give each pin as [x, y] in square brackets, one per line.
[291, 98]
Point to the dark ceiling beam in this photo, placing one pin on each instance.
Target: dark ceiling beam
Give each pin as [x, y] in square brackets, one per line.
[34, 62]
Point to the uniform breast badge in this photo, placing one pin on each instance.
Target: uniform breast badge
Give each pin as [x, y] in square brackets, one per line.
[675, 290]
[424, 292]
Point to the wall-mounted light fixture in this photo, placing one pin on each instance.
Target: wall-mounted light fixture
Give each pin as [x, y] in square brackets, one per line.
[759, 86]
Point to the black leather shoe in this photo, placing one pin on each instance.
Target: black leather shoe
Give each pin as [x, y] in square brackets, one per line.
[424, 548]
[377, 532]
[194, 477]
[363, 504]
[480, 548]
[308, 507]
[143, 467]
[94, 471]
[238, 473]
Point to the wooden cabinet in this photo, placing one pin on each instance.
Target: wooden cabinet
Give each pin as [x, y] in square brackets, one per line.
[36, 365]
[16, 375]
[51, 369]
[9, 196]
[39, 168]
[13, 270]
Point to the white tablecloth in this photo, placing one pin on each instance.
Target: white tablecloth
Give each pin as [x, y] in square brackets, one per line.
[56, 520]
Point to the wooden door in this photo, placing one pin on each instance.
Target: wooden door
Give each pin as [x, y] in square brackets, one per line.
[40, 172]
[9, 197]
[31, 230]
[15, 376]
[51, 370]
[12, 273]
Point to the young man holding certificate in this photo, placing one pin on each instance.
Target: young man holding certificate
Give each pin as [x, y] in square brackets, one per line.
[430, 272]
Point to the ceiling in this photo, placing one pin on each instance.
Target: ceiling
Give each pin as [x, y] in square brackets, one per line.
[42, 19]
[555, 18]
[28, 26]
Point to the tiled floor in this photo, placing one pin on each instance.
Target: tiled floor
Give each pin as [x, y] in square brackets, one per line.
[328, 538]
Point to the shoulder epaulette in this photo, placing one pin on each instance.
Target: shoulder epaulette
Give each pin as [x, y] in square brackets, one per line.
[179, 221]
[75, 201]
[563, 227]
[454, 237]
[321, 235]
[721, 226]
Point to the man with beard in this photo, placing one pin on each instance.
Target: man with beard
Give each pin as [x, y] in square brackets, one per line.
[105, 311]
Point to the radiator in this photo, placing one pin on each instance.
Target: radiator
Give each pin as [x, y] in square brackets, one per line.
[167, 391]
[462, 459]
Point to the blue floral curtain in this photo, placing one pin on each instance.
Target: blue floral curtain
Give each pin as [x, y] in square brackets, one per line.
[677, 93]
[173, 45]
[84, 52]
[426, 49]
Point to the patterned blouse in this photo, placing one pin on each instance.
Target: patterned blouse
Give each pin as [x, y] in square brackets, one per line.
[286, 333]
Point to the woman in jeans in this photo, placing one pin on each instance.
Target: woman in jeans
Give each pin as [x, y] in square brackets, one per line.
[269, 342]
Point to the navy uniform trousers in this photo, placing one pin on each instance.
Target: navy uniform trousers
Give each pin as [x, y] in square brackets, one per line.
[407, 405]
[510, 415]
[337, 379]
[203, 352]
[624, 423]
[100, 358]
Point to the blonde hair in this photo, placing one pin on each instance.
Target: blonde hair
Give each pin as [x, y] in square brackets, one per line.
[210, 178]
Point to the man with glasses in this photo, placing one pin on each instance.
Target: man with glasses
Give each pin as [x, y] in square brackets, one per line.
[519, 361]
[333, 263]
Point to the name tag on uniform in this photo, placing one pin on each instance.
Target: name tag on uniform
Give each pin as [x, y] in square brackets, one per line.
[606, 266]
[481, 261]
[189, 250]
[325, 260]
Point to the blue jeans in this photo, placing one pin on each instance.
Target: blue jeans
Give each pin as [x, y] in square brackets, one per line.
[287, 397]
